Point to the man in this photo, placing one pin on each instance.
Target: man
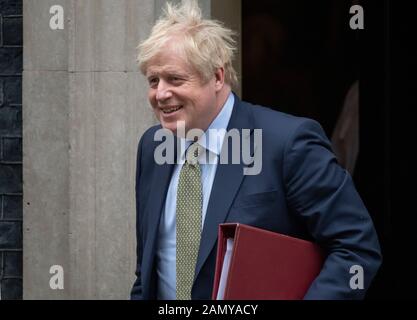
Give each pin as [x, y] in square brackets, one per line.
[300, 191]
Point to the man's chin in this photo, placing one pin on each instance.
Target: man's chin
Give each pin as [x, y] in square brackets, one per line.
[178, 128]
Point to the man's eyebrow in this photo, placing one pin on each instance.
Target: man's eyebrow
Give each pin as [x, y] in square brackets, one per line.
[166, 71]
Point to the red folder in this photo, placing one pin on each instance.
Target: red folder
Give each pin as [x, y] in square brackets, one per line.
[265, 265]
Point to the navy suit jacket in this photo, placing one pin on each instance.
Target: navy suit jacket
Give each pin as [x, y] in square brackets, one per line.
[301, 191]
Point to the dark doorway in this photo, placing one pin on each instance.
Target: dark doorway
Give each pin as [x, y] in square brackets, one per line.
[301, 57]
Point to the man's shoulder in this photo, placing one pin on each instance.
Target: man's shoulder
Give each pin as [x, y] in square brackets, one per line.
[276, 123]
[150, 133]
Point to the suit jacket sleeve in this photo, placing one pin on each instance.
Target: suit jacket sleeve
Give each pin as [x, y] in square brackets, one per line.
[136, 292]
[322, 193]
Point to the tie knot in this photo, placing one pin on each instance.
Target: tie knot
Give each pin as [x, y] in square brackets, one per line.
[193, 153]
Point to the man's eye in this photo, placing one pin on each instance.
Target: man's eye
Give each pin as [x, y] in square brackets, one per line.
[153, 81]
[175, 79]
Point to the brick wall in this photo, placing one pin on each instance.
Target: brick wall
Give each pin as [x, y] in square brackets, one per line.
[11, 51]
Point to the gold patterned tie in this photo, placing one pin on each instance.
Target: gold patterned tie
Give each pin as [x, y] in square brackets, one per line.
[188, 220]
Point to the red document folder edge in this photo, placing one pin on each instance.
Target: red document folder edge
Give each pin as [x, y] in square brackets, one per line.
[266, 265]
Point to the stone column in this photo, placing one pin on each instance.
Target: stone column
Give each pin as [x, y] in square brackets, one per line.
[84, 109]
[46, 164]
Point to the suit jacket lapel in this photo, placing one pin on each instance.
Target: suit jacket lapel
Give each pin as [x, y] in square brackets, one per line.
[226, 184]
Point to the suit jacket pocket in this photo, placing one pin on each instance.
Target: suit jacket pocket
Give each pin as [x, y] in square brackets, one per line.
[255, 199]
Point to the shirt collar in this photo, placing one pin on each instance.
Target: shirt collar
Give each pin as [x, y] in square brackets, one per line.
[213, 137]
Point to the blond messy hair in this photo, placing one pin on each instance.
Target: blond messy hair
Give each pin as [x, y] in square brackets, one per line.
[206, 44]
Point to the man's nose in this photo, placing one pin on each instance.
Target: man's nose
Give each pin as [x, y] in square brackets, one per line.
[163, 91]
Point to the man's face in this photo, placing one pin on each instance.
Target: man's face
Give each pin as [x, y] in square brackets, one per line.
[177, 92]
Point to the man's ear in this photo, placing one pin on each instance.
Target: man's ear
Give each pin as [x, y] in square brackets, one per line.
[219, 78]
